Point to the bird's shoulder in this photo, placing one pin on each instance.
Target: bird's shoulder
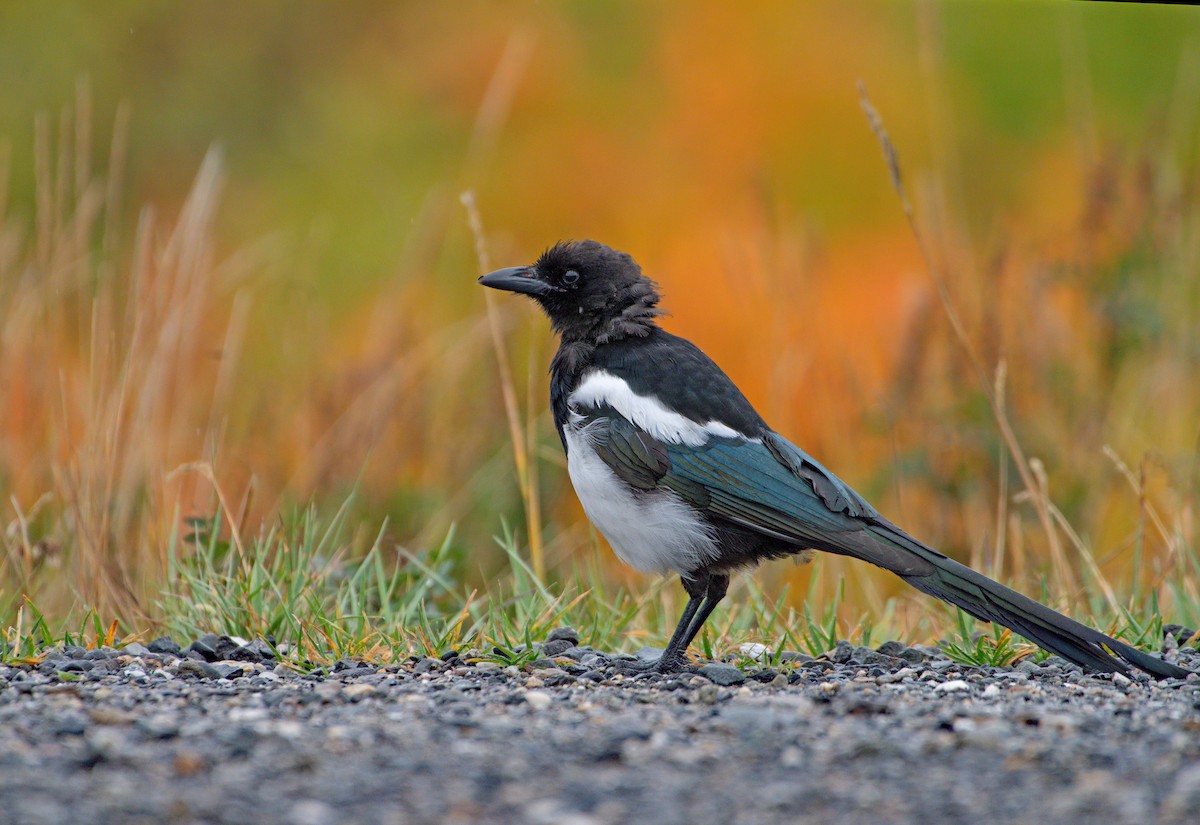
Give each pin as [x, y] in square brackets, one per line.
[679, 376]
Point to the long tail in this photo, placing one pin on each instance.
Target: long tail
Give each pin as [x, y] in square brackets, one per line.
[993, 602]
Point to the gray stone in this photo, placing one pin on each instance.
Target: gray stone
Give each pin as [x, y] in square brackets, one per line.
[553, 676]
[567, 634]
[226, 646]
[205, 646]
[255, 651]
[722, 674]
[866, 656]
[557, 647]
[192, 667]
[164, 644]
[357, 673]
[912, 655]
[225, 670]
[841, 654]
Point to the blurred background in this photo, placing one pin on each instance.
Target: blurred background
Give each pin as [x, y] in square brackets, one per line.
[236, 276]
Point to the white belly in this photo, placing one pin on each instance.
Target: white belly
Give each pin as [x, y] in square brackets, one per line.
[651, 531]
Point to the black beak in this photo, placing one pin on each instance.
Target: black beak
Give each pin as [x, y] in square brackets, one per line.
[516, 279]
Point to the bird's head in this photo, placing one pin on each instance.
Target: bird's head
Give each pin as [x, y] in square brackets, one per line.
[590, 291]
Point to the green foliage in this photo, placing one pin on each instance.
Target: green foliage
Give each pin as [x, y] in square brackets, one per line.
[31, 633]
[972, 647]
[310, 586]
[821, 636]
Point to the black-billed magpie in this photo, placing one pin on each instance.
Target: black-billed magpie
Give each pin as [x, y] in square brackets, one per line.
[679, 472]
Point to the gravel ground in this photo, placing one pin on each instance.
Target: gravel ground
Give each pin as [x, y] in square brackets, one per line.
[221, 733]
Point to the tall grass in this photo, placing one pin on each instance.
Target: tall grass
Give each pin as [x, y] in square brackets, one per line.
[116, 358]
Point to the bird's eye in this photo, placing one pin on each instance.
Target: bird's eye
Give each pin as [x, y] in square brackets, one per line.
[570, 277]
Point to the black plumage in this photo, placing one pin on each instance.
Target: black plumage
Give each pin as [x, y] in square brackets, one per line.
[661, 441]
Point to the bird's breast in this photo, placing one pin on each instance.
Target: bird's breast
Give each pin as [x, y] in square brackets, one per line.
[649, 530]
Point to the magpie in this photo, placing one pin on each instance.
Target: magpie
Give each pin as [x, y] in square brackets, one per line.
[681, 475]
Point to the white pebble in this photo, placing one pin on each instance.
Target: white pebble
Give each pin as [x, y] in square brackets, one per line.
[891, 678]
[538, 699]
[953, 686]
[753, 650]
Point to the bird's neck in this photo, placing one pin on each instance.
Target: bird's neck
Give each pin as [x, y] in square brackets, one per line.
[569, 363]
[634, 321]
[571, 359]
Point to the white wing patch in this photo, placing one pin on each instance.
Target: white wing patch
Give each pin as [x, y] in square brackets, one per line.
[646, 411]
[651, 531]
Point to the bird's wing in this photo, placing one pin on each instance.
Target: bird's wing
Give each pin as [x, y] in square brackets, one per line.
[765, 485]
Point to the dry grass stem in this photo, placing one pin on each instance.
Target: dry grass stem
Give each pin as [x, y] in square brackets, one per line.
[522, 457]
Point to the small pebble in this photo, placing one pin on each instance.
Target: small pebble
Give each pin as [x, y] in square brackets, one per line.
[566, 634]
[754, 651]
[722, 674]
[538, 699]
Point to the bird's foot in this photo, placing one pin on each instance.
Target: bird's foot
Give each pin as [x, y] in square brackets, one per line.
[663, 664]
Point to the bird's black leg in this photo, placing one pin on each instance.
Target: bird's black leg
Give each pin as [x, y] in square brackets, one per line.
[718, 586]
[673, 659]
